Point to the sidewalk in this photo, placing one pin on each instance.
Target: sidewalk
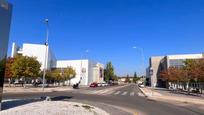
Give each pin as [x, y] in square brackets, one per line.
[157, 95]
[33, 89]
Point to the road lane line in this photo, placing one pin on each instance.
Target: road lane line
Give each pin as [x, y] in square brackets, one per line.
[132, 93]
[124, 93]
[117, 93]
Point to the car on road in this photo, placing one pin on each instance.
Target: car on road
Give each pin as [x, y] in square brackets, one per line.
[94, 85]
[99, 84]
[141, 85]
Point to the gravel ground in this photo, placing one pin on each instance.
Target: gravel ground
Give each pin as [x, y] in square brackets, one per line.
[54, 108]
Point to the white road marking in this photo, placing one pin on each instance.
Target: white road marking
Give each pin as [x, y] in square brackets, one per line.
[124, 93]
[132, 93]
[117, 93]
[140, 94]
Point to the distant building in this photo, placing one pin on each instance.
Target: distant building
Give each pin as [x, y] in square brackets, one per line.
[86, 71]
[123, 79]
[161, 63]
[5, 22]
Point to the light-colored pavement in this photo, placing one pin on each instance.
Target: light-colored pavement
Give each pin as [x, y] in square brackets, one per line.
[164, 96]
[54, 108]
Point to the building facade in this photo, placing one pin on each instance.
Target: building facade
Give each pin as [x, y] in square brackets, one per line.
[5, 22]
[86, 71]
[38, 51]
[161, 63]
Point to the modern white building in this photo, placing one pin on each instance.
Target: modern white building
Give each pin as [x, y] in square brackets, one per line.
[86, 71]
[161, 63]
[35, 50]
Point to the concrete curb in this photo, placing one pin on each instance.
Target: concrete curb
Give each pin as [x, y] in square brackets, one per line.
[171, 98]
[143, 92]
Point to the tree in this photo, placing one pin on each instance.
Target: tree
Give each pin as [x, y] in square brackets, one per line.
[61, 75]
[127, 79]
[69, 73]
[24, 66]
[2, 70]
[115, 78]
[135, 78]
[8, 70]
[109, 72]
[173, 74]
[192, 69]
[55, 74]
[201, 70]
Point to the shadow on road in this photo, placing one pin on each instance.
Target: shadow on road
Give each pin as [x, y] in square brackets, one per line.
[60, 98]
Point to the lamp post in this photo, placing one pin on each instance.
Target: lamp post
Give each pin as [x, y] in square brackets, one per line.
[82, 71]
[46, 52]
[142, 57]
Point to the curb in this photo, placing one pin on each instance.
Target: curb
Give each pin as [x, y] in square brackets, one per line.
[165, 99]
[143, 92]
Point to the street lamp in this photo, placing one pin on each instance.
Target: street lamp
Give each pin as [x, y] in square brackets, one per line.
[82, 70]
[46, 52]
[142, 56]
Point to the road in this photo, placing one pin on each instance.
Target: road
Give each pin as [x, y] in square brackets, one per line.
[126, 98]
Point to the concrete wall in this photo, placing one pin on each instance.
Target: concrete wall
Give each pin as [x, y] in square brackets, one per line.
[154, 65]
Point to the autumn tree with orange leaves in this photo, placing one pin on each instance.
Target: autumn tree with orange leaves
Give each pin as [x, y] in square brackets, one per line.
[193, 70]
[8, 70]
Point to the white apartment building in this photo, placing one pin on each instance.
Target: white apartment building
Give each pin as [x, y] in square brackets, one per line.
[86, 71]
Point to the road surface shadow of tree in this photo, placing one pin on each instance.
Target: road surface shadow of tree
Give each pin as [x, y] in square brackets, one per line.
[61, 98]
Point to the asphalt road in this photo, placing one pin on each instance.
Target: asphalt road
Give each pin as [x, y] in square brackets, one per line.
[127, 98]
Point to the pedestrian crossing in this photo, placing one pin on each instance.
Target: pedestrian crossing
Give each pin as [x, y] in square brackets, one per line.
[116, 93]
[124, 93]
[132, 93]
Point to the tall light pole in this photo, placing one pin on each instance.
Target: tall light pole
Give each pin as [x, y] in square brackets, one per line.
[46, 52]
[142, 56]
[81, 68]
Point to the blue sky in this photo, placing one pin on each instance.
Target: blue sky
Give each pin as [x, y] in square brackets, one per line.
[110, 28]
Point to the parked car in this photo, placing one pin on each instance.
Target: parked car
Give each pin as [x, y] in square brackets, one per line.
[94, 85]
[141, 85]
[99, 84]
[104, 84]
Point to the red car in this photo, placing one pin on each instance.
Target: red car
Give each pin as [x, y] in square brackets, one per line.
[94, 85]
